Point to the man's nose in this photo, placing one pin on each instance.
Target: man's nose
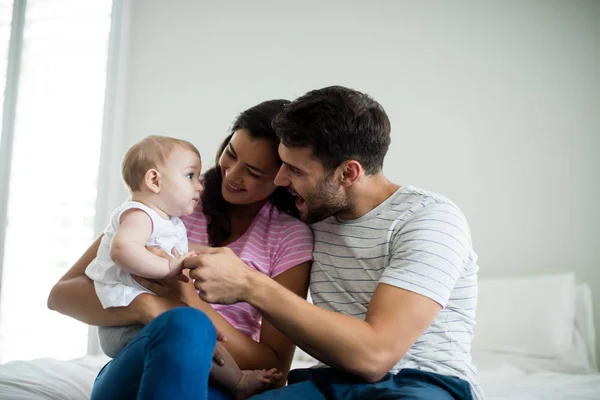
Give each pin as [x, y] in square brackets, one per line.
[281, 178]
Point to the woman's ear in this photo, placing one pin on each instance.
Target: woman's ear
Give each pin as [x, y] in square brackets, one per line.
[351, 171]
[152, 180]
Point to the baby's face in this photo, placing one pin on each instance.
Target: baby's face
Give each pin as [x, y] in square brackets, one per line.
[180, 182]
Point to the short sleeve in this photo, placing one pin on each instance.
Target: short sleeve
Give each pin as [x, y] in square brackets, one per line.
[134, 205]
[294, 247]
[429, 252]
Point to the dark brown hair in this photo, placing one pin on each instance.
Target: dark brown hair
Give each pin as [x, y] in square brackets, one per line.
[339, 124]
[257, 121]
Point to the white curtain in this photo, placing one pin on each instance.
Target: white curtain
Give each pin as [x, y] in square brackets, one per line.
[55, 155]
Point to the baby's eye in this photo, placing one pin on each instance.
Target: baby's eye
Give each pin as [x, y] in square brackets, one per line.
[190, 176]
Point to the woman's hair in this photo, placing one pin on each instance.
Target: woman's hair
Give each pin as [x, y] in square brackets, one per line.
[257, 121]
[150, 152]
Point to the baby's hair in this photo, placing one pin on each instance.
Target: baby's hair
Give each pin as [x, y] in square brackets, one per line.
[150, 152]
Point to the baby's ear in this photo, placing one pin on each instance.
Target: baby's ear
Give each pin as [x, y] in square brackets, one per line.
[152, 180]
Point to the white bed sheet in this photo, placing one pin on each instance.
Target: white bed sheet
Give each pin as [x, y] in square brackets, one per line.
[72, 380]
[50, 379]
[507, 382]
[513, 384]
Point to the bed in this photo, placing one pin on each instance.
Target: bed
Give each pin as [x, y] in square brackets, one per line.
[553, 358]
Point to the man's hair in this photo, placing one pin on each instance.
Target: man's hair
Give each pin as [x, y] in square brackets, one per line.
[150, 152]
[339, 124]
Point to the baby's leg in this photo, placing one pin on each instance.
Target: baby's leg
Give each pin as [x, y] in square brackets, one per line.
[228, 374]
[242, 383]
[114, 338]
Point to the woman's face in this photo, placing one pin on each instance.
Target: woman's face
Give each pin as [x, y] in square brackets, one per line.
[248, 167]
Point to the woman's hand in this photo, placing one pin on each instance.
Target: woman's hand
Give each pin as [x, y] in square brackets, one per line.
[173, 289]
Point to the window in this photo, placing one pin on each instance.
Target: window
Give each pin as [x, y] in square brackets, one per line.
[53, 171]
[5, 19]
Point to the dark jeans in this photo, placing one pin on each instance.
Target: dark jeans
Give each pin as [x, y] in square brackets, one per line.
[169, 359]
[331, 384]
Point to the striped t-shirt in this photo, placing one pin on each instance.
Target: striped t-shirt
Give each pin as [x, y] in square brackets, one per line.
[415, 240]
[273, 243]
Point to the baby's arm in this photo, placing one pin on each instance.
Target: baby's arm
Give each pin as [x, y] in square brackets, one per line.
[128, 249]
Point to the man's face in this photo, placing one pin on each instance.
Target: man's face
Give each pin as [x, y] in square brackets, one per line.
[318, 192]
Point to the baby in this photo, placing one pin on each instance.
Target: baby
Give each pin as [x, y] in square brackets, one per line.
[163, 177]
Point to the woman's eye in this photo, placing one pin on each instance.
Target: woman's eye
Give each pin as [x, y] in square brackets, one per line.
[252, 174]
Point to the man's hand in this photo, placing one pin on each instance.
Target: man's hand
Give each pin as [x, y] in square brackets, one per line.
[220, 276]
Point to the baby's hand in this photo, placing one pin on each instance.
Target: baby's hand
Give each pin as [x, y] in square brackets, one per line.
[176, 263]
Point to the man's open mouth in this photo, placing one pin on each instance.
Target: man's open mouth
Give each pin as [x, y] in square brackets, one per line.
[299, 199]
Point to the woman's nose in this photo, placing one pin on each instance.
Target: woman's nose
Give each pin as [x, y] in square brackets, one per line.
[233, 173]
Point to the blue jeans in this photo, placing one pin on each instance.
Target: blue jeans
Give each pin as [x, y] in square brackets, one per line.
[331, 384]
[169, 359]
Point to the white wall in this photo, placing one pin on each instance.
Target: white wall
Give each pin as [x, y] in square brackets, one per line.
[494, 104]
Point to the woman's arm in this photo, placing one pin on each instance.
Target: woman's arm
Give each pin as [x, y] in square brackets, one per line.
[295, 279]
[74, 295]
[274, 350]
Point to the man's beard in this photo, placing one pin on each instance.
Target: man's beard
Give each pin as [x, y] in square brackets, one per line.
[324, 202]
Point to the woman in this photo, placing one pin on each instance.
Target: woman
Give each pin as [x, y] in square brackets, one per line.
[240, 208]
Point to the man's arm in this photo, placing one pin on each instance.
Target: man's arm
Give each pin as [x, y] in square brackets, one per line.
[427, 257]
[395, 319]
[369, 349]
[274, 350]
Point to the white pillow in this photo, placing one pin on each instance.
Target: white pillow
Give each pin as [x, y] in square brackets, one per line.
[532, 316]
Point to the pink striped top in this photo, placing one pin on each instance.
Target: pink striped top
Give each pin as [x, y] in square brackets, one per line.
[274, 243]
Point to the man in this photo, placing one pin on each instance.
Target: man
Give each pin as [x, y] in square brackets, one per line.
[394, 277]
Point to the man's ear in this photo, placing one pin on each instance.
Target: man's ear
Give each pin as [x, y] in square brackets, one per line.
[152, 180]
[351, 172]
